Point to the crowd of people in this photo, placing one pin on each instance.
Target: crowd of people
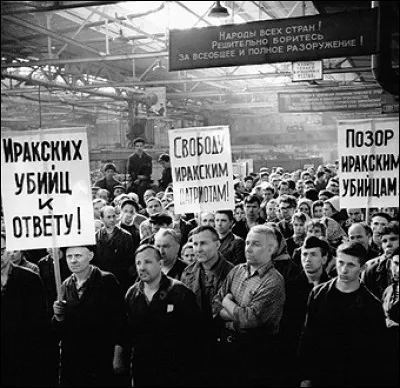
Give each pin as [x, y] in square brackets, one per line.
[285, 289]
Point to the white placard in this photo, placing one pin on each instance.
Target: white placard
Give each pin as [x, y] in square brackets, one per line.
[202, 172]
[307, 71]
[369, 163]
[46, 189]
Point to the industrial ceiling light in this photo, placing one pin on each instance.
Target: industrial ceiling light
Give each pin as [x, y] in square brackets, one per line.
[218, 11]
[159, 66]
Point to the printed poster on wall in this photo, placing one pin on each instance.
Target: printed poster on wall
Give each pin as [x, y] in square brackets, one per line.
[46, 189]
[202, 171]
[369, 162]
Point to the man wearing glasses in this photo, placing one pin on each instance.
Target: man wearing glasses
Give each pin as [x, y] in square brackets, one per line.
[287, 206]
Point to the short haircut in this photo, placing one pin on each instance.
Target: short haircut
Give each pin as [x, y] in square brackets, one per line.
[320, 173]
[304, 173]
[316, 242]
[186, 246]
[391, 228]
[289, 199]
[99, 200]
[269, 187]
[327, 193]
[169, 232]
[365, 226]
[228, 213]
[205, 228]
[110, 166]
[252, 198]
[355, 249]
[292, 184]
[315, 223]
[317, 203]
[153, 199]
[138, 140]
[283, 182]
[309, 181]
[104, 209]
[311, 193]
[302, 217]
[130, 202]
[248, 178]
[144, 247]
[239, 206]
[268, 231]
[90, 248]
[383, 215]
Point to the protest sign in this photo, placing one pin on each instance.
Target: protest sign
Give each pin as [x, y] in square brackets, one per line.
[202, 172]
[369, 163]
[46, 189]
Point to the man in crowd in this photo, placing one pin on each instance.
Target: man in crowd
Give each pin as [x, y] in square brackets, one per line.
[109, 182]
[252, 208]
[377, 275]
[139, 168]
[232, 247]
[362, 233]
[157, 221]
[114, 251]
[343, 336]
[314, 256]
[129, 209]
[19, 258]
[153, 206]
[287, 206]
[89, 321]
[250, 304]
[355, 215]
[25, 328]
[204, 277]
[166, 174]
[207, 219]
[378, 221]
[167, 241]
[163, 326]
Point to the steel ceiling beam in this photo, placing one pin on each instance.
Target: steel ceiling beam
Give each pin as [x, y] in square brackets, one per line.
[104, 58]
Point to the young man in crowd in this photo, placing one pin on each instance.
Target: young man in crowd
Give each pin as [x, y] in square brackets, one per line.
[287, 206]
[252, 208]
[344, 332]
[232, 246]
[377, 275]
[139, 168]
[114, 249]
[109, 182]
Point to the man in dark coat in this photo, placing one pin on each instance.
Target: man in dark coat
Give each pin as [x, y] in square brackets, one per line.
[163, 327]
[343, 340]
[140, 168]
[89, 321]
[25, 328]
[114, 251]
[166, 175]
[109, 182]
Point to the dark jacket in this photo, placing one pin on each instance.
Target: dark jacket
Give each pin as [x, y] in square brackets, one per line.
[24, 330]
[108, 185]
[166, 178]
[116, 255]
[342, 344]
[46, 270]
[241, 228]
[377, 275]
[164, 334]
[140, 165]
[232, 248]
[92, 327]
[176, 271]
[286, 228]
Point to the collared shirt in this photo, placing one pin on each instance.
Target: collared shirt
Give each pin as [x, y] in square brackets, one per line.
[81, 289]
[259, 295]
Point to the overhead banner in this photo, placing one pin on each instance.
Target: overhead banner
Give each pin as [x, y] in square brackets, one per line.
[369, 163]
[278, 40]
[202, 171]
[46, 189]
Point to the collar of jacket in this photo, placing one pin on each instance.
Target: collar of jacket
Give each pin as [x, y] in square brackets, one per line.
[216, 269]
